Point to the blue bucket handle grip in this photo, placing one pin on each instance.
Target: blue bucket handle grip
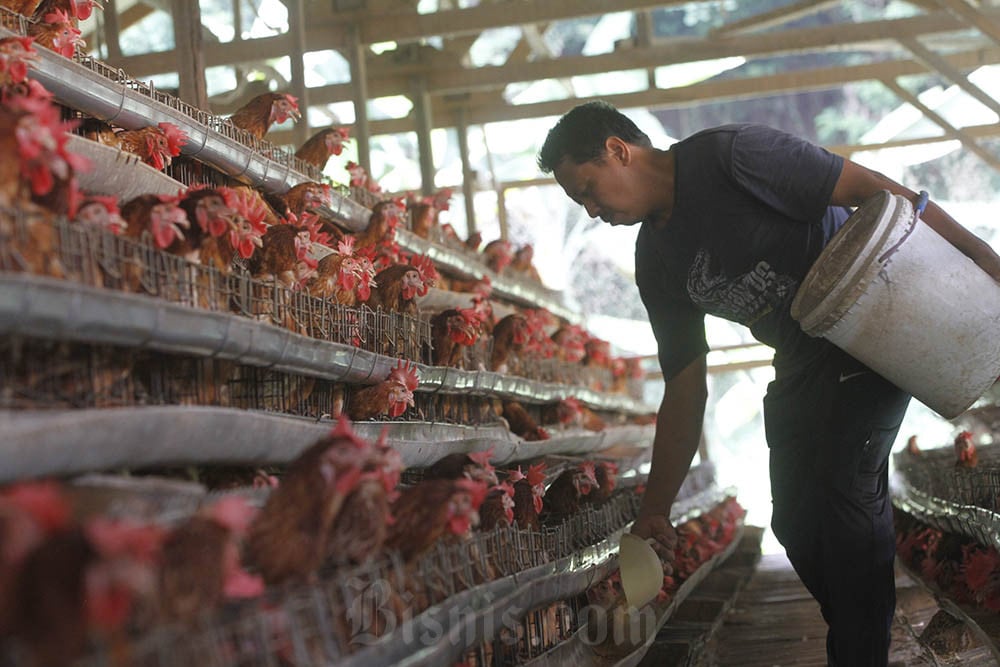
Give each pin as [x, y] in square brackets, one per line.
[922, 200]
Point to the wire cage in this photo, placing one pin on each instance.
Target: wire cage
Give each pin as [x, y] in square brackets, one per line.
[32, 242]
[220, 124]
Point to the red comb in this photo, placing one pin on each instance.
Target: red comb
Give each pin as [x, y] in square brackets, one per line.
[536, 474]
[405, 373]
[346, 246]
[482, 458]
[477, 490]
[428, 274]
[176, 137]
[516, 475]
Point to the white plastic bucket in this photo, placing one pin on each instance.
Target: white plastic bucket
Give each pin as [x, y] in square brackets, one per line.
[898, 297]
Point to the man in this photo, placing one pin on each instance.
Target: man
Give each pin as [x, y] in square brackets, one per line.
[732, 220]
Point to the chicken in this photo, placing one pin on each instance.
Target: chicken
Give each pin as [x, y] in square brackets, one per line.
[159, 216]
[306, 197]
[422, 216]
[912, 448]
[539, 344]
[340, 277]
[360, 179]
[498, 255]
[497, 509]
[529, 491]
[509, 336]
[361, 528]
[570, 340]
[522, 262]
[283, 256]
[452, 330]
[432, 510]
[965, 450]
[157, 145]
[17, 56]
[100, 212]
[31, 128]
[605, 474]
[209, 217]
[200, 564]
[397, 286]
[389, 397]
[77, 10]
[474, 241]
[382, 224]
[521, 423]
[30, 512]
[570, 412]
[289, 539]
[57, 32]
[597, 353]
[320, 146]
[89, 579]
[257, 115]
[474, 465]
[563, 497]
[22, 7]
[39, 172]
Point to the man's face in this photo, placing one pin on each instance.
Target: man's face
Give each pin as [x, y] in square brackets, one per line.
[603, 187]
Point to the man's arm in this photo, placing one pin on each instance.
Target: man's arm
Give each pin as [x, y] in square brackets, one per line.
[678, 431]
[857, 183]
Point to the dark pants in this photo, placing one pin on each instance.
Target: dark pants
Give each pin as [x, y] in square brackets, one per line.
[830, 429]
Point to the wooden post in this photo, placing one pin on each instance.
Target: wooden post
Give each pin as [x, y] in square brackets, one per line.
[422, 112]
[190, 54]
[359, 79]
[468, 176]
[111, 31]
[297, 26]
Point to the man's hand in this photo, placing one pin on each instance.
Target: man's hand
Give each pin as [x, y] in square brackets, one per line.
[658, 527]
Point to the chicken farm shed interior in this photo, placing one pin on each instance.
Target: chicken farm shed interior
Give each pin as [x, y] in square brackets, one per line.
[306, 362]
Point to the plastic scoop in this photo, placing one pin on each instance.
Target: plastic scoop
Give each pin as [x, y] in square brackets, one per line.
[640, 569]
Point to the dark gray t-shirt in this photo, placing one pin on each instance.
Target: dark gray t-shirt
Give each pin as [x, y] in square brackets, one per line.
[750, 217]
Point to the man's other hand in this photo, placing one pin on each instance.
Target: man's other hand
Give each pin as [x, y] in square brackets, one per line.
[658, 527]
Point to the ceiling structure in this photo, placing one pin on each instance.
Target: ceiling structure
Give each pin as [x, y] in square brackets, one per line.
[430, 64]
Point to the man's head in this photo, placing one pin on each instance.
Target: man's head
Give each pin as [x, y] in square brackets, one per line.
[581, 134]
[592, 152]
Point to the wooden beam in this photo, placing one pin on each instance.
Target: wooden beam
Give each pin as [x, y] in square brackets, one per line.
[938, 64]
[389, 78]
[494, 78]
[985, 24]
[297, 29]
[487, 108]
[409, 26]
[192, 87]
[949, 129]
[974, 131]
[775, 17]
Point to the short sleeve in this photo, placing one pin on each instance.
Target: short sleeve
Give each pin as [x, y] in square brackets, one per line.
[789, 174]
[678, 326]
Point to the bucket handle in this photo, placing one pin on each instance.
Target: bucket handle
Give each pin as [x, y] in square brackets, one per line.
[922, 199]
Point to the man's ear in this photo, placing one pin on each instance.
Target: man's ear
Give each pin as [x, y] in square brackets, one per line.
[618, 150]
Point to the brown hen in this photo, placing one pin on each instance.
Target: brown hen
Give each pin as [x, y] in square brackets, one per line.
[289, 538]
[320, 146]
[257, 115]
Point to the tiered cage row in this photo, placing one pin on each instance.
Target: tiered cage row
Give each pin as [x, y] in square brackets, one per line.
[119, 357]
[947, 512]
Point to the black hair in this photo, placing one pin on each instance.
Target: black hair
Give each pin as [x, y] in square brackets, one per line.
[581, 133]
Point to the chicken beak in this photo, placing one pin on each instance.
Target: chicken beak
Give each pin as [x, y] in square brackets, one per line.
[258, 241]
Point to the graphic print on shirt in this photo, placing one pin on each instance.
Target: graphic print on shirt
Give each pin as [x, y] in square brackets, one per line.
[743, 299]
